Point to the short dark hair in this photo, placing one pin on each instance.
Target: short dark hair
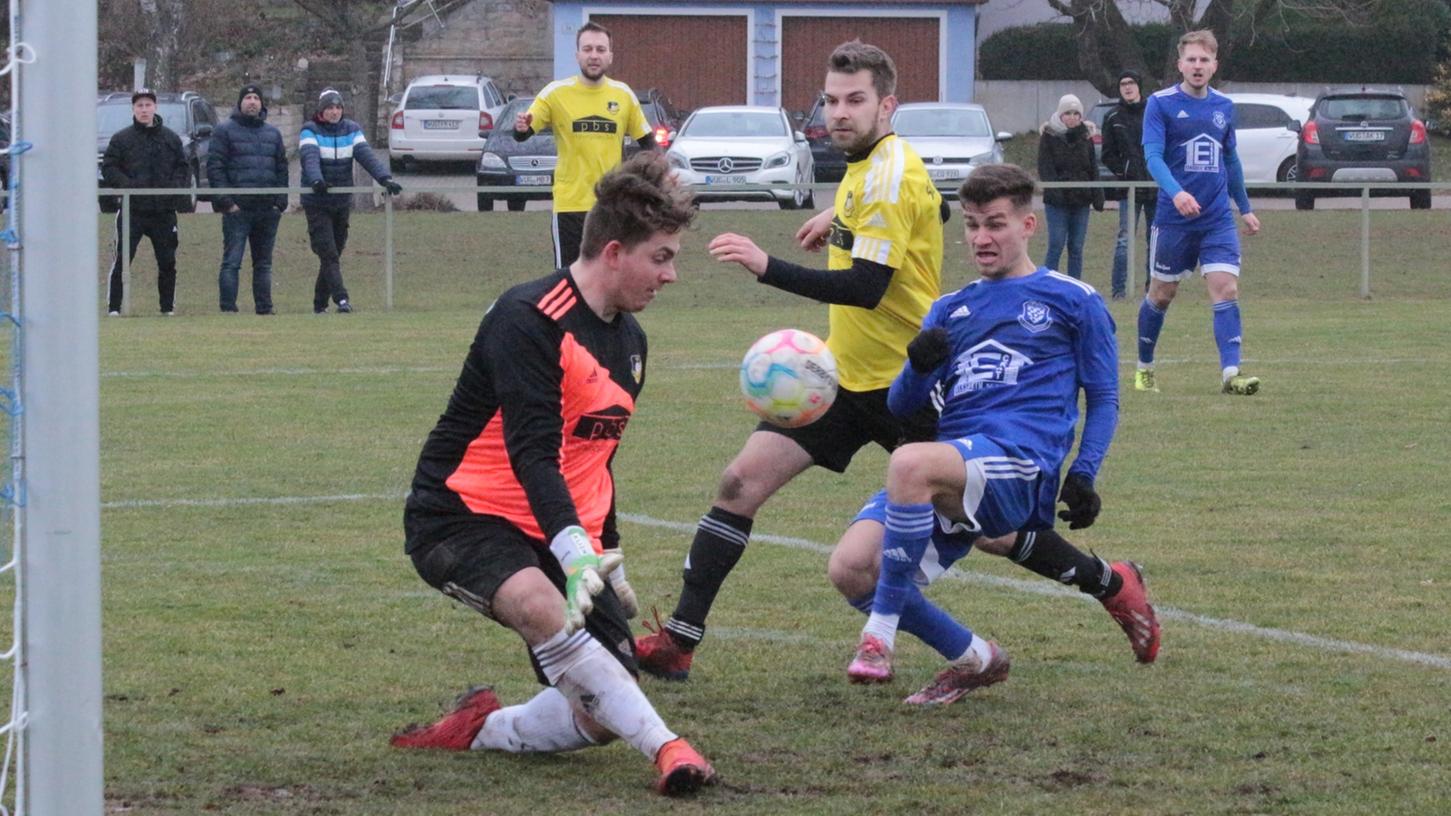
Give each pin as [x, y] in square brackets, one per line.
[634, 201]
[592, 26]
[850, 57]
[991, 182]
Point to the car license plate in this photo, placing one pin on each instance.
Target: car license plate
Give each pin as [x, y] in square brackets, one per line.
[534, 181]
[441, 124]
[1365, 136]
[725, 180]
[941, 173]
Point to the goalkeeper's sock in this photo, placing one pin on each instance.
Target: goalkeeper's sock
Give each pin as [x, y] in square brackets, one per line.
[909, 531]
[1227, 333]
[720, 540]
[595, 682]
[1151, 322]
[545, 724]
[929, 623]
[1053, 556]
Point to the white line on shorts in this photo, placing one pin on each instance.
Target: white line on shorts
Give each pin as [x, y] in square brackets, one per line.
[1039, 587]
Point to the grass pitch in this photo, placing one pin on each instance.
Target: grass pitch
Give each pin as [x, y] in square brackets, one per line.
[264, 633]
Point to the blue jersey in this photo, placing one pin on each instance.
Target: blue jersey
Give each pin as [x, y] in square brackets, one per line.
[1197, 141]
[1021, 350]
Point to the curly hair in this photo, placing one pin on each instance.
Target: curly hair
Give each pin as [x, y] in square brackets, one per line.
[634, 201]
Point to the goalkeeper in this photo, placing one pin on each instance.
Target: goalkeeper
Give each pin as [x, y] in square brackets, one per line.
[512, 507]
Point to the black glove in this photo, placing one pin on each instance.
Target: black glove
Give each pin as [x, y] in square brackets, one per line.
[1083, 503]
[929, 350]
[319, 187]
[393, 187]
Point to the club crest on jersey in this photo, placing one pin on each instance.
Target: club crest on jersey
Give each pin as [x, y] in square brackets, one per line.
[637, 368]
[1036, 316]
[850, 204]
[614, 107]
[1219, 120]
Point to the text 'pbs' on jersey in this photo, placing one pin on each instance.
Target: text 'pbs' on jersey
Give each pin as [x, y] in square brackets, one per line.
[544, 397]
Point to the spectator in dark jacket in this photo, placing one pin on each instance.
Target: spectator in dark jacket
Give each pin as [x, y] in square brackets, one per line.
[147, 155]
[328, 145]
[1123, 154]
[1065, 153]
[247, 152]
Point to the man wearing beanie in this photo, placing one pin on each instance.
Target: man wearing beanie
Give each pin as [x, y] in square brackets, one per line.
[328, 145]
[147, 155]
[247, 152]
[1123, 154]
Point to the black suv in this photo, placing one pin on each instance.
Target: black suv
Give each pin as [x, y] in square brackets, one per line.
[188, 114]
[829, 161]
[1362, 134]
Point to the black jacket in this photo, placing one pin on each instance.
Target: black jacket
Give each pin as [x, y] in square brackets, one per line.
[1123, 145]
[1068, 156]
[139, 158]
[247, 152]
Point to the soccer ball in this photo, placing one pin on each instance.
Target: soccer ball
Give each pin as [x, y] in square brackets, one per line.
[789, 378]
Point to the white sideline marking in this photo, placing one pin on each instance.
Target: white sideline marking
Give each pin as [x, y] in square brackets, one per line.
[1040, 587]
[1127, 362]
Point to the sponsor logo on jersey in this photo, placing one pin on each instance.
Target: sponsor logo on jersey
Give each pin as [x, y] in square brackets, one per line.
[1201, 154]
[988, 364]
[841, 237]
[594, 124]
[1182, 115]
[1036, 316]
[607, 424]
[960, 311]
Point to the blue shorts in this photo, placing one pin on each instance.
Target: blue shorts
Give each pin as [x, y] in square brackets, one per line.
[1175, 251]
[1006, 491]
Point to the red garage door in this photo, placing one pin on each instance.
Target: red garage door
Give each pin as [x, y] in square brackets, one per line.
[806, 42]
[696, 61]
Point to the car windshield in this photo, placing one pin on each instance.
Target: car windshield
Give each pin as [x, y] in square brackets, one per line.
[940, 122]
[1356, 109]
[723, 124]
[442, 97]
[113, 116]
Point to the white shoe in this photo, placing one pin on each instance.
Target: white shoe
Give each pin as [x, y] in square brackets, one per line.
[113, 314]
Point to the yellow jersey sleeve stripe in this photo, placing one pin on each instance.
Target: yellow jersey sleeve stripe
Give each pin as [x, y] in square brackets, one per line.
[884, 179]
[554, 86]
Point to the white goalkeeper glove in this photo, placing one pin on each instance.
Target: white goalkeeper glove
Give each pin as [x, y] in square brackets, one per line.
[584, 573]
[623, 590]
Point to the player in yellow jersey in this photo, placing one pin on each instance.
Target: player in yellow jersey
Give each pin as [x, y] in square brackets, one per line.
[591, 115]
[884, 268]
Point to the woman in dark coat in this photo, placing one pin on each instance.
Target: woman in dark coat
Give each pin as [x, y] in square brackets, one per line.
[1065, 153]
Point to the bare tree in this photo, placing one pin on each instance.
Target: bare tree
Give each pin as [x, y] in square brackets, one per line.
[1107, 46]
[164, 20]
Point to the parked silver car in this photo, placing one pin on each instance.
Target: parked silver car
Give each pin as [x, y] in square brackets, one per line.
[744, 144]
[952, 138]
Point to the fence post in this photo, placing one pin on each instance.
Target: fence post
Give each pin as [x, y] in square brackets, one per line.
[388, 253]
[1365, 242]
[123, 249]
[1130, 201]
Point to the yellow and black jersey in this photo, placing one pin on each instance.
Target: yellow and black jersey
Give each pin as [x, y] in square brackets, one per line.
[887, 212]
[590, 124]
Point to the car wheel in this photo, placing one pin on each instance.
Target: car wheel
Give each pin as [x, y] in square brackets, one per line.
[1420, 199]
[516, 204]
[486, 203]
[1304, 200]
[196, 183]
[398, 166]
[810, 202]
[1288, 171]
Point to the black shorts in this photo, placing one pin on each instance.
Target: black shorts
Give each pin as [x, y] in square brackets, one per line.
[468, 558]
[853, 420]
[568, 233]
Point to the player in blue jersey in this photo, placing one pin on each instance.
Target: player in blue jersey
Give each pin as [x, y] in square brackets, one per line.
[1006, 357]
[1190, 150]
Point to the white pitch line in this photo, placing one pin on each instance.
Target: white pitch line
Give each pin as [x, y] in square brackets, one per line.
[1040, 587]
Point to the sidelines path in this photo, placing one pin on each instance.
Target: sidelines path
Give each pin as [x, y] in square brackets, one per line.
[1039, 587]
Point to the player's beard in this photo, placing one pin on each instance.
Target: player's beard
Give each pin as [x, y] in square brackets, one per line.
[592, 75]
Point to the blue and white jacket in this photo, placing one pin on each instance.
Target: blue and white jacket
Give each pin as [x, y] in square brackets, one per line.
[327, 152]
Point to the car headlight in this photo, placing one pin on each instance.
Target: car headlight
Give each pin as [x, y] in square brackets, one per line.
[677, 160]
[492, 161]
[989, 157]
[779, 160]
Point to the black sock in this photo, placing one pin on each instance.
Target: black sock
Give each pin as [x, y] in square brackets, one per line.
[720, 539]
[1052, 556]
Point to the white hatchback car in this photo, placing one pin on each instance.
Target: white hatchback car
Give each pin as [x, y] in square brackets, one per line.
[443, 118]
[1265, 143]
[951, 138]
[744, 144]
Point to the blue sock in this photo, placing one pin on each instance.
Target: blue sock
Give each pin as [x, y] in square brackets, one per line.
[909, 531]
[1151, 322]
[1227, 333]
[929, 623]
